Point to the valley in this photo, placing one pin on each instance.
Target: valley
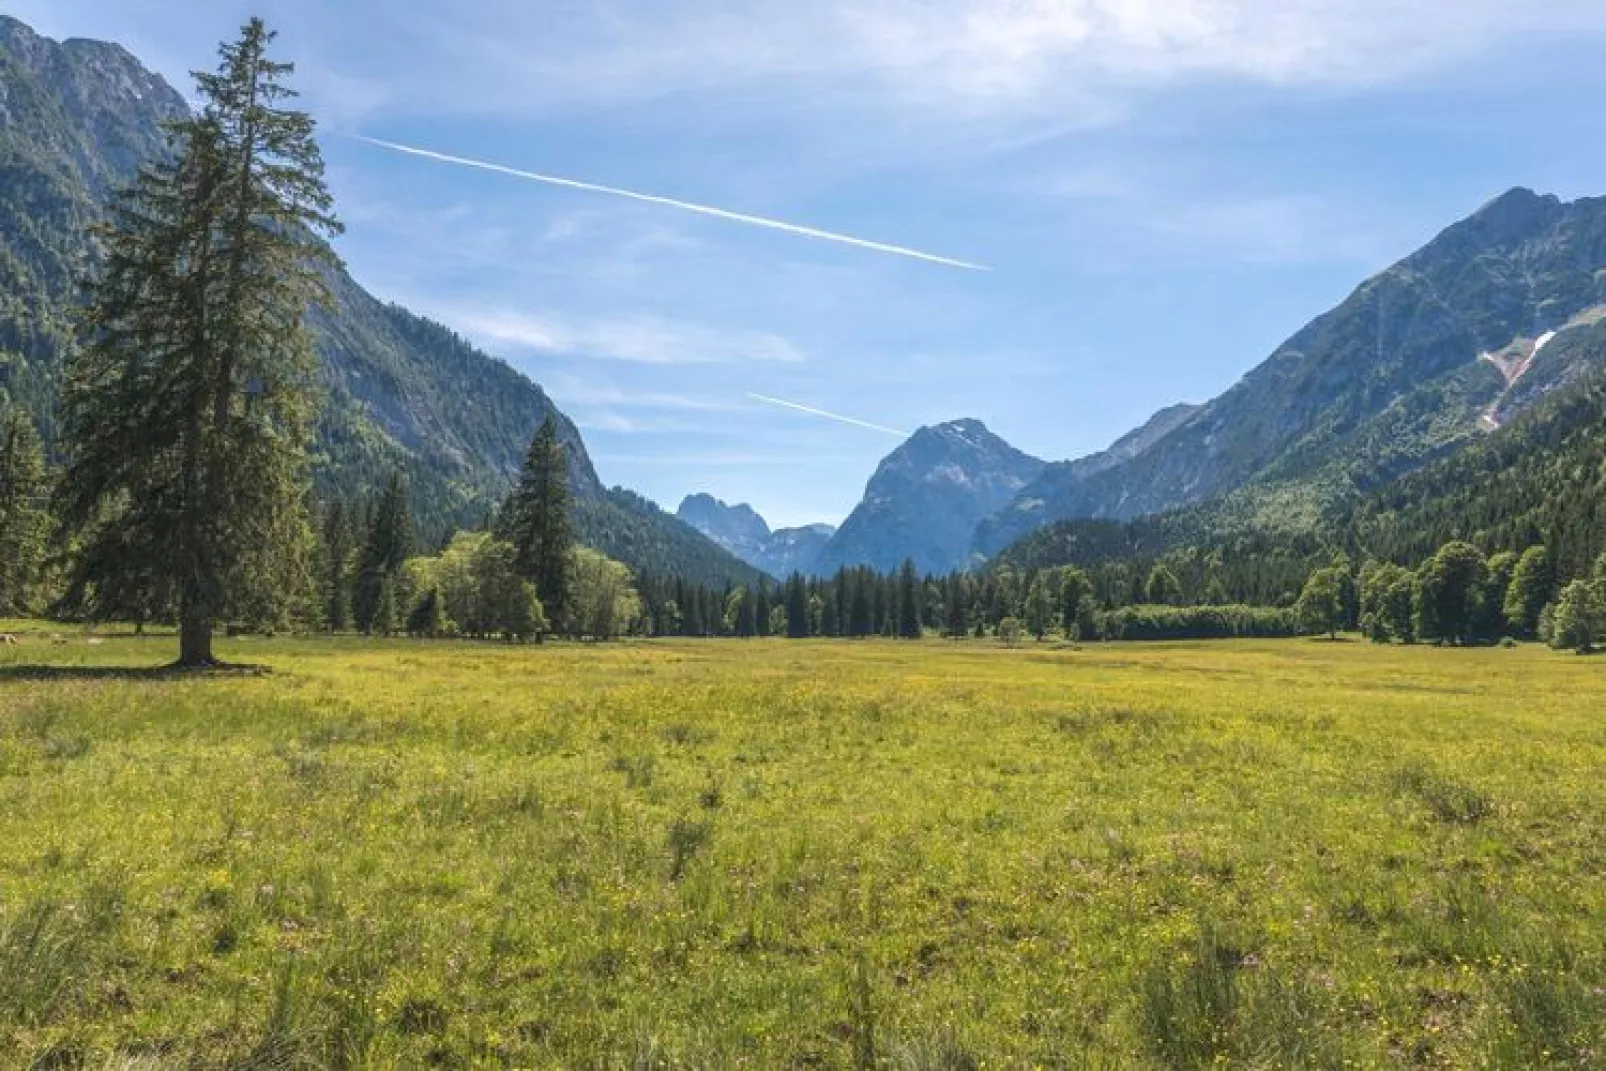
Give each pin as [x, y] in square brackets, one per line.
[1269, 735]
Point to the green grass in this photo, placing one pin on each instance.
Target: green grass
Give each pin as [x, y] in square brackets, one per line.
[772, 854]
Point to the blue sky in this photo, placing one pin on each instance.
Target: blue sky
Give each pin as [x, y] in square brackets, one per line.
[1164, 189]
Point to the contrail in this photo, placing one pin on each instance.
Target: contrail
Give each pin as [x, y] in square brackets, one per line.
[838, 417]
[670, 202]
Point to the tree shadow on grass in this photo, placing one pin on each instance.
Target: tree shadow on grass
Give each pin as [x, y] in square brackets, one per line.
[169, 672]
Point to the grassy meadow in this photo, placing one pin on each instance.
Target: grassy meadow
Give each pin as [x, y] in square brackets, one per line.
[782, 854]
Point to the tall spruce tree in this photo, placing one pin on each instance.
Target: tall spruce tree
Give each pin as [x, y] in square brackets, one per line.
[339, 543]
[909, 596]
[1076, 605]
[537, 521]
[389, 544]
[956, 606]
[188, 408]
[797, 608]
[22, 510]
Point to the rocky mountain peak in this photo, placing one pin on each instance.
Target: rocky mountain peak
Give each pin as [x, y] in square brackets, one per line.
[740, 530]
[928, 495]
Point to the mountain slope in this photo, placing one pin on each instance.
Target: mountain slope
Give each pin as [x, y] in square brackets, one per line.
[76, 120]
[797, 550]
[740, 530]
[629, 528]
[927, 497]
[1391, 379]
[1539, 478]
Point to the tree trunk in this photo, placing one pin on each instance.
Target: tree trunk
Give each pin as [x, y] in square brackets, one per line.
[195, 642]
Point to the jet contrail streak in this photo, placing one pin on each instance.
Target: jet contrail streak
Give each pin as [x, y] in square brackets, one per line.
[838, 417]
[670, 202]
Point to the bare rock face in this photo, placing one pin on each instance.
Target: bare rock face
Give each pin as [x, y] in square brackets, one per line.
[927, 497]
[740, 530]
[1393, 378]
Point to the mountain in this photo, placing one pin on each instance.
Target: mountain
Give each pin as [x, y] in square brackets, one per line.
[1420, 361]
[76, 120]
[797, 550]
[629, 528]
[1538, 478]
[927, 497]
[740, 530]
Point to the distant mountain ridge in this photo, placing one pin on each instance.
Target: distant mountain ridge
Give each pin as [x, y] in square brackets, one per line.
[927, 497]
[1396, 376]
[740, 530]
[77, 118]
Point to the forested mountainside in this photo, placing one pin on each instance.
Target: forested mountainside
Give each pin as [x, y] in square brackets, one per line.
[403, 393]
[1540, 478]
[1417, 363]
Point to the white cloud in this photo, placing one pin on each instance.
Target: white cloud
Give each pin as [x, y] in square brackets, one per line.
[954, 58]
[635, 339]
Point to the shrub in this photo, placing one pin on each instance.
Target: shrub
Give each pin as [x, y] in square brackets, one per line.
[1197, 623]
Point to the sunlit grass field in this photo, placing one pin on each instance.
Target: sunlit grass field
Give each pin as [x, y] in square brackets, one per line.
[774, 854]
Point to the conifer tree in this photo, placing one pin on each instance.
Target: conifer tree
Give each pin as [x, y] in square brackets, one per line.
[761, 610]
[797, 608]
[693, 623]
[389, 544]
[537, 522]
[1039, 607]
[1076, 604]
[831, 623]
[339, 543]
[956, 613]
[910, 595]
[861, 606]
[22, 511]
[187, 410]
[384, 622]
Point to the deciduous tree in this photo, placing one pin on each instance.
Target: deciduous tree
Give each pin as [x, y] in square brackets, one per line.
[1450, 593]
[1532, 585]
